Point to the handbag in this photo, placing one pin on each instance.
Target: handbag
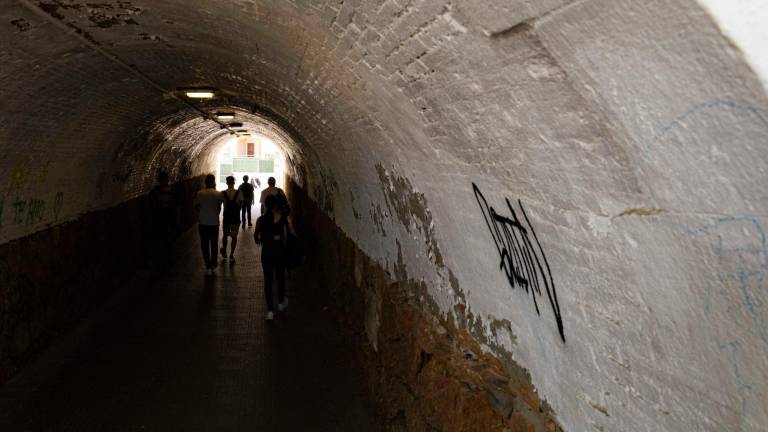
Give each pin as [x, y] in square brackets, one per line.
[294, 251]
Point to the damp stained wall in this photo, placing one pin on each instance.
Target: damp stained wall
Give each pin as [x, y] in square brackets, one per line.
[632, 133]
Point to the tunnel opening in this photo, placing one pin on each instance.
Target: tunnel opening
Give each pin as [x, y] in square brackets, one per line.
[252, 155]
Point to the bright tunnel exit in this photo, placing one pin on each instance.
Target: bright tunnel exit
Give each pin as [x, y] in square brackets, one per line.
[256, 156]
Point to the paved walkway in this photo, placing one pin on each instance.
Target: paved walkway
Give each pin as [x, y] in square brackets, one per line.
[176, 351]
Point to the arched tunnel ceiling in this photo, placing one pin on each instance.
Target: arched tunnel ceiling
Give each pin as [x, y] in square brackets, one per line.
[632, 132]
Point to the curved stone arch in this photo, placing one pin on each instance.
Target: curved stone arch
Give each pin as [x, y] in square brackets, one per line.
[549, 103]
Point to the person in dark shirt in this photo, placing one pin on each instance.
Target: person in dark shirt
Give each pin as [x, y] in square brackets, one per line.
[271, 232]
[164, 206]
[246, 191]
[164, 211]
[232, 202]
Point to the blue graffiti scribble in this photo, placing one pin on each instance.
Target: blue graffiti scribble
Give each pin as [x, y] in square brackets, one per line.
[750, 266]
[742, 387]
[744, 264]
[724, 104]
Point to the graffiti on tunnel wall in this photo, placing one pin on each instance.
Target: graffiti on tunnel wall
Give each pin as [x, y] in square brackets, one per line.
[740, 245]
[524, 265]
[17, 208]
[32, 211]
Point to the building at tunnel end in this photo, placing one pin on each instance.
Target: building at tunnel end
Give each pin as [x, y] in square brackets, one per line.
[527, 215]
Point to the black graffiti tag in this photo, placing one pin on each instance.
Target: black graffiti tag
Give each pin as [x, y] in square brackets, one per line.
[520, 260]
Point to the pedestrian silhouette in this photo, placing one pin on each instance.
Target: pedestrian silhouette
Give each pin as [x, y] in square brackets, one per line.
[271, 190]
[208, 204]
[233, 200]
[272, 230]
[164, 215]
[246, 191]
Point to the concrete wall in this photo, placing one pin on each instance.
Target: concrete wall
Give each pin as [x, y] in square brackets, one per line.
[631, 132]
[50, 280]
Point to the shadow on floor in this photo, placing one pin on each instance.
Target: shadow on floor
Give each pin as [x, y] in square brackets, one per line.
[176, 351]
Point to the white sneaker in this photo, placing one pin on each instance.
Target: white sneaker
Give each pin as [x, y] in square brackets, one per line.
[283, 306]
[270, 316]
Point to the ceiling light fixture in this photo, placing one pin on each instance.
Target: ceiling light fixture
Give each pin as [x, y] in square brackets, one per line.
[198, 93]
[225, 115]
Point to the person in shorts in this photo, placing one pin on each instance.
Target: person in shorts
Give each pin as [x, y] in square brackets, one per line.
[233, 200]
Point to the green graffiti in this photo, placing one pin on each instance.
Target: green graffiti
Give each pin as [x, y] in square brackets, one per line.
[28, 212]
[35, 209]
[18, 215]
[32, 211]
[58, 204]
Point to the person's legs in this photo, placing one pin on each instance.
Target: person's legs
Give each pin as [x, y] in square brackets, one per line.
[209, 235]
[214, 236]
[248, 207]
[224, 234]
[233, 231]
[242, 214]
[267, 266]
[204, 245]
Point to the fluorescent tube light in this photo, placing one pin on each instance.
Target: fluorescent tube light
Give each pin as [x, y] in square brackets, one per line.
[199, 94]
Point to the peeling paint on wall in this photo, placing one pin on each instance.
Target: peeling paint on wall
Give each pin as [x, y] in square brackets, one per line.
[411, 210]
[377, 217]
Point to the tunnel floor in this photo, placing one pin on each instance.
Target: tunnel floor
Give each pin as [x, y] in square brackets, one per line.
[176, 351]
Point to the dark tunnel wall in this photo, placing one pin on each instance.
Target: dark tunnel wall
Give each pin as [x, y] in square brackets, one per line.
[632, 133]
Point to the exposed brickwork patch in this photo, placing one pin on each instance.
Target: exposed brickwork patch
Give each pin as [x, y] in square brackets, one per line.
[425, 373]
[411, 209]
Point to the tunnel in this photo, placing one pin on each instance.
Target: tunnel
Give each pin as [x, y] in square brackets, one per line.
[516, 215]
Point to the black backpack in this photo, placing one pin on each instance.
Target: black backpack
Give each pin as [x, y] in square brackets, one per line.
[282, 203]
[294, 251]
[231, 210]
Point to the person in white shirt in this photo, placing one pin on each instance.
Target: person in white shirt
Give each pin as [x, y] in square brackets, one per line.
[208, 204]
[271, 190]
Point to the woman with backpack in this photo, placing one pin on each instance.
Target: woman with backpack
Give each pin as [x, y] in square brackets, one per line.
[272, 232]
